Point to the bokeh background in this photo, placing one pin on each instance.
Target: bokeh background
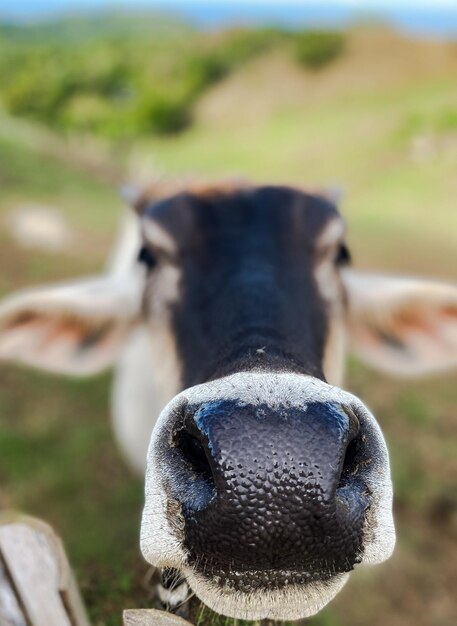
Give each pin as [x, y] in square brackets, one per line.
[361, 96]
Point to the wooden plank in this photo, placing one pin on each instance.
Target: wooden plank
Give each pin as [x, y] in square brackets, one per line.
[72, 600]
[11, 613]
[38, 571]
[37, 586]
[151, 617]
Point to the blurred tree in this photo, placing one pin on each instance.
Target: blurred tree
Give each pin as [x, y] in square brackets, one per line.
[118, 84]
[315, 49]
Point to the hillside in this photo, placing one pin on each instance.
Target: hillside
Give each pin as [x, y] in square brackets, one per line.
[83, 28]
[375, 60]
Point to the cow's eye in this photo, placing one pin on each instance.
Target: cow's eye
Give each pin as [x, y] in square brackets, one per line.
[343, 256]
[146, 257]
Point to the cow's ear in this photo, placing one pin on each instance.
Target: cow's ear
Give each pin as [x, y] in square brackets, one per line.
[402, 326]
[74, 328]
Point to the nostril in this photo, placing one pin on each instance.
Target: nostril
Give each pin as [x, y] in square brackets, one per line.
[352, 494]
[353, 442]
[194, 453]
[354, 423]
[350, 460]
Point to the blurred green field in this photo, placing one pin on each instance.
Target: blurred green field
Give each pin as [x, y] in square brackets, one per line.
[377, 122]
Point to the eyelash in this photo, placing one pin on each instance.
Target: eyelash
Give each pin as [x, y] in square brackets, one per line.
[146, 257]
[343, 256]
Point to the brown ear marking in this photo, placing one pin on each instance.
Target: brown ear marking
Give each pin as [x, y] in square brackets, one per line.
[83, 333]
[67, 321]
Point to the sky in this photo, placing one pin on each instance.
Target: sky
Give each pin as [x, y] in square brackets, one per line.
[428, 17]
[18, 6]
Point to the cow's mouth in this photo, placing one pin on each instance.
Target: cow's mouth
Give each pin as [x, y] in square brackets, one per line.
[266, 594]
[248, 581]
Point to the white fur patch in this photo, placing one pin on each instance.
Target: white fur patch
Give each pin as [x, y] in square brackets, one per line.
[137, 396]
[173, 597]
[335, 351]
[332, 233]
[148, 372]
[331, 290]
[158, 236]
[125, 251]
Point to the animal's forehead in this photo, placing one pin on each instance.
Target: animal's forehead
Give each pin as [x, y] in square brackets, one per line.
[255, 210]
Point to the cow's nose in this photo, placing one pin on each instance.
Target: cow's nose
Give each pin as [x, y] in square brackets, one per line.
[271, 488]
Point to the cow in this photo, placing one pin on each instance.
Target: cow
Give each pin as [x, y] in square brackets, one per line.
[227, 312]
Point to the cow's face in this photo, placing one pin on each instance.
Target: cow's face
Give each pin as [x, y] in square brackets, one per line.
[246, 280]
[266, 482]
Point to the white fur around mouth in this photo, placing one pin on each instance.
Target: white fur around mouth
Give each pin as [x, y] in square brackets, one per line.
[292, 602]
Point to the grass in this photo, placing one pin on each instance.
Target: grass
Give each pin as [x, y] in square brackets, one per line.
[58, 459]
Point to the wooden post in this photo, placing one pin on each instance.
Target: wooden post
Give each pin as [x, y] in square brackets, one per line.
[37, 586]
[151, 617]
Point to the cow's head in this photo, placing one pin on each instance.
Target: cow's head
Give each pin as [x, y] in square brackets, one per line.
[266, 482]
